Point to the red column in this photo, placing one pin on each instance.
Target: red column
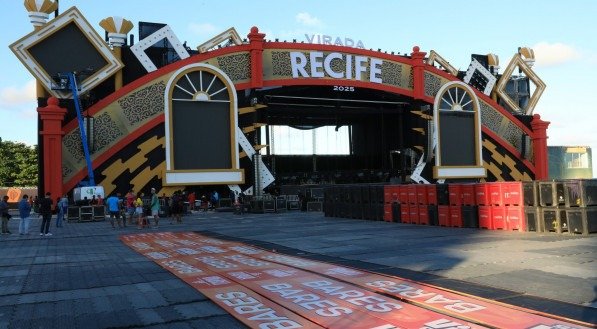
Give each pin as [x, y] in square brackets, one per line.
[52, 116]
[418, 63]
[256, 40]
[539, 139]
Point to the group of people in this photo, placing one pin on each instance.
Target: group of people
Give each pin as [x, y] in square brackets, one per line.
[133, 209]
[44, 205]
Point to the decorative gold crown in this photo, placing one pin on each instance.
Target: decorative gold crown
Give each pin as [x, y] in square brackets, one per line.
[116, 24]
[117, 28]
[528, 55]
[45, 6]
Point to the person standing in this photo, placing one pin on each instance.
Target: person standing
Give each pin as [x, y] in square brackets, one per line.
[45, 209]
[112, 203]
[24, 212]
[61, 209]
[130, 206]
[139, 211]
[5, 215]
[155, 208]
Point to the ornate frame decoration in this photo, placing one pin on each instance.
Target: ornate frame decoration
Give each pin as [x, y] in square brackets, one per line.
[164, 33]
[455, 103]
[517, 61]
[22, 49]
[230, 175]
[434, 57]
[475, 66]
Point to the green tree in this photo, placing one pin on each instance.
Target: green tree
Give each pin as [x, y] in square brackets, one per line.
[18, 164]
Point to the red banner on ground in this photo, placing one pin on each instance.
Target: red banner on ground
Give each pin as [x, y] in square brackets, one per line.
[256, 285]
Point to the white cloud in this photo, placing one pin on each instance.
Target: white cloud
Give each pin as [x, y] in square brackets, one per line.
[552, 54]
[203, 28]
[16, 95]
[307, 19]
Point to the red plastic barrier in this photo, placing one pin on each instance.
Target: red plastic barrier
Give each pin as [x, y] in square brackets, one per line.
[485, 217]
[455, 194]
[421, 190]
[387, 194]
[423, 215]
[387, 212]
[395, 193]
[431, 193]
[513, 193]
[403, 194]
[482, 194]
[411, 189]
[455, 216]
[404, 214]
[515, 218]
[498, 218]
[390, 194]
[443, 215]
[468, 194]
[414, 213]
[496, 193]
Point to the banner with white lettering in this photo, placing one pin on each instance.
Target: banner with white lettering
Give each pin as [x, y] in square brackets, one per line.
[265, 289]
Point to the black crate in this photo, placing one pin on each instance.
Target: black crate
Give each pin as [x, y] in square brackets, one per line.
[355, 210]
[314, 206]
[379, 210]
[433, 215]
[73, 213]
[580, 192]
[551, 194]
[554, 220]
[281, 205]
[379, 194]
[257, 206]
[365, 195]
[470, 216]
[443, 195]
[582, 220]
[396, 212]
[531, 217]
[356, 194]
[337, 206]
[530, 193]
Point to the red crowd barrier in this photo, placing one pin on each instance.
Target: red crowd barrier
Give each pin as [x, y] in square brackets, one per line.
[515, 218]
[482, 195]
[485, 217]
[498, 218]
[431, 194]
[443, 215]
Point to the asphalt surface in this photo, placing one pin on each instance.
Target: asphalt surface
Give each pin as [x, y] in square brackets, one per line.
[83, 276]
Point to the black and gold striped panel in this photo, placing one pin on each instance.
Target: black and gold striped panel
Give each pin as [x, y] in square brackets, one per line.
[502, 165]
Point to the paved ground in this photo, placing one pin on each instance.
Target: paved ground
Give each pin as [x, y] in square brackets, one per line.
[84, 277]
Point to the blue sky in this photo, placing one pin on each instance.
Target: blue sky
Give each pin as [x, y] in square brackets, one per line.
[562, 33]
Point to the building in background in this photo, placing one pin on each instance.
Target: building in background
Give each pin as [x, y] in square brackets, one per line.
[568, 162]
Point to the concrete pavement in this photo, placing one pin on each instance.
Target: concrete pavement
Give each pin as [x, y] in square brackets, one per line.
[84, 277]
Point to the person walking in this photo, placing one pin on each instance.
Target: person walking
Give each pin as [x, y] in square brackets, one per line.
[45, 209]
[5, 215]
[61, 209]
[24, 213]
[155, 208]
[113, 209]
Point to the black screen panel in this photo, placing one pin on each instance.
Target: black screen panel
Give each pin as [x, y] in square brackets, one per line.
[201, 133]
[67, 50]
[457, 138]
